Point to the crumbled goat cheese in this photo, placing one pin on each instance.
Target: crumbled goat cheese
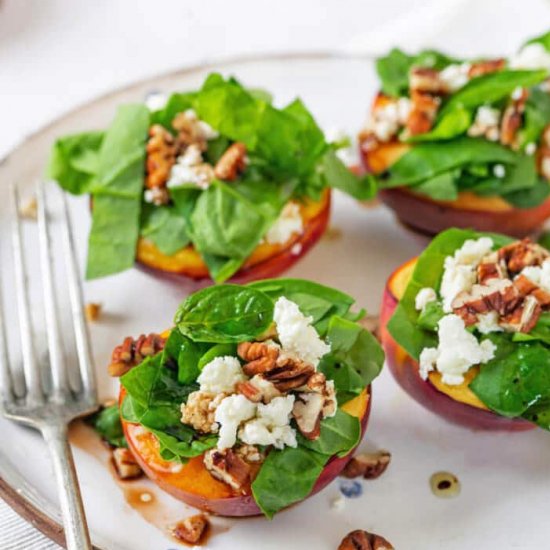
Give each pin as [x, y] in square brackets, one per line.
[271, 425]
[455, 76]
[189, 168]
[155, 101]
[487, 116]
[385, 120]
[221, 375]
[539, 275]
[517, 94]
[457, 351]
[486, 123]
[296, 334]
[488, 322]
[206, 131]
[530, 148]
[499, 170]
[230, 414]
[460, 269]
[287, 224]
[532, 56]
[424, 297]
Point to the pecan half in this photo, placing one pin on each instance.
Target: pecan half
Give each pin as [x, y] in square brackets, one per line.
[161, 151]
[132, 352]
[227, 466]
[423, 112]
[363, 540]
[125, 464]
[524, 253]
[258, 389]
[426, 80]
[191, 529]
[491, 267]
[232, 162]
[512, 120]
[367, 465]
[259, 356]
[524, 317]
[486, 67]
[190, 130]
[308, 413]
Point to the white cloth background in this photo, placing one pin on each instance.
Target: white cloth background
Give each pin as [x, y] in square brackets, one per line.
[57, 54]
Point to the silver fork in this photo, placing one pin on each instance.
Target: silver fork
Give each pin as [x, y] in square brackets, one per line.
[50, 407]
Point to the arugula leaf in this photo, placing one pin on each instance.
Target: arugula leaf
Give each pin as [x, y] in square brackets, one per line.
[490, 88]
[315, 300]
[403, 325]
[107, 424]
[117, 193]
[225, 314]
[165, 226]
[286, 476]
[73, 161]
[339, 435]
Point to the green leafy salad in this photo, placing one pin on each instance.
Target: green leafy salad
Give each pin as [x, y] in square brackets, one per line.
[219, 169]
[477, 310]
[471, 125]
[256, 379]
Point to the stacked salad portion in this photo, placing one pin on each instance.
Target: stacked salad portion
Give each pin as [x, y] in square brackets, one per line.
[476, 314]
[255, 380]
[216, 171]
[457, 125]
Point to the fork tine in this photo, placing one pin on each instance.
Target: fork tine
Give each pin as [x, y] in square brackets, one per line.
[30, 368]
[75, 293]
[7, 392]
[57, 363]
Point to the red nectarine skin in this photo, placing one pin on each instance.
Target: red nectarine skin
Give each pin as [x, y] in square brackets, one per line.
[206, 493]
[405, 370]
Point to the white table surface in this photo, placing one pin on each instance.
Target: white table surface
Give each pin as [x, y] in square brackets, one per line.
[57, 54]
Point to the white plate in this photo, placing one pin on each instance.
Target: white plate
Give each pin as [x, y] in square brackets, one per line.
[505, 478]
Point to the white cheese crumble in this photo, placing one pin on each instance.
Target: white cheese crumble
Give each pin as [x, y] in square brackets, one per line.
[189, 168]
[230, 414]
[487, 116]
[287, 224]
[488, 322]
[532, 56]
[530, 148]
[271, 425]
[296, 334]
[206, 131]
[539, 275]
[424, 297]
[221, 375]
[155, 101]
[460, 269]
[385, 120]
[499, 171]
[517, 94]
[455, 76]
[457, 351]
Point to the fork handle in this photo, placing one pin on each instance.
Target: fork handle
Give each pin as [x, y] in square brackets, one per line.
[72, 510]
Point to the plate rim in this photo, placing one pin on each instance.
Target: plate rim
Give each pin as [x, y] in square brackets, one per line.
[37, 510]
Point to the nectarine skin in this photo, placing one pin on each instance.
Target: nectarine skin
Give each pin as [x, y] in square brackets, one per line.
[230, 505]
[405, 370]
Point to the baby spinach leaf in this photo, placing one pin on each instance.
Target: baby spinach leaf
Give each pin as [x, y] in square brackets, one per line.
[339, 176]
[117, 193]
[539, 414]
[426, 160]
[339, 435]
[439, 187]
[181, 352]
[218, 350]
[165, 226]
[543, 39]
[403, 325]
[516, 379]
[156, 394]
[492, 87]
[452, 124]
[315, 300]
[73, 161]
[536, 117]
[225, 314]
[174, 449]
[286, 477]
[177, 103]
[107, 424]
[429, 317]
[354, 346]
[531, 197]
